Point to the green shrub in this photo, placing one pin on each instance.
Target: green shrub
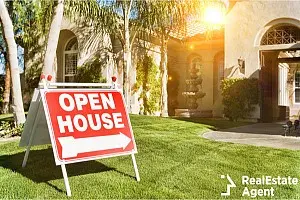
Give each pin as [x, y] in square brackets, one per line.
[147, 79]
[91, 72]
[7, 129]
[239, 97]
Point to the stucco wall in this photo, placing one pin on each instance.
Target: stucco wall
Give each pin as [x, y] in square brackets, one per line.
[245, 25]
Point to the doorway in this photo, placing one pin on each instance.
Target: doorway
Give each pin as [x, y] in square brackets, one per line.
[280, 98]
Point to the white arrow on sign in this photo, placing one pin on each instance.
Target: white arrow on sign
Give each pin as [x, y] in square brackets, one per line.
[71, 146]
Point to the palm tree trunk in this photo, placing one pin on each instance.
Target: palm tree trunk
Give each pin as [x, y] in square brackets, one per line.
[53, 40]
[164, 76]
[8, 33]
[127, 66]
[126, 54]
[6, 94]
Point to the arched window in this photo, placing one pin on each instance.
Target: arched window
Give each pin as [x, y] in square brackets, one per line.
[220, 66]
[282, 34]
[297, 87]
[70, 60]
[218, 73]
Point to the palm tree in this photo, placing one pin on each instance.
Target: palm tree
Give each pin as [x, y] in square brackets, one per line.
[77, 10]
[129, 17]
[8, 33]
[168, 17]
[53, 39]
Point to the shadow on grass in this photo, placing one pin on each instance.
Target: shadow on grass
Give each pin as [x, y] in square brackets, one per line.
[41, 167]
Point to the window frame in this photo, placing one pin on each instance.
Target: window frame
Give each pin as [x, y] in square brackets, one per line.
[64, 58]
[294, 87]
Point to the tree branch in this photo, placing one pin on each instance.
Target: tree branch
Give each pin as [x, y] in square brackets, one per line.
[134, 34]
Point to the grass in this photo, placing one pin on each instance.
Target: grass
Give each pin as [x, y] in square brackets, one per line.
[6, 117]
[174, 162]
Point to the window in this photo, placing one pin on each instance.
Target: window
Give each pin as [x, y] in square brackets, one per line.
[218, 74]
[70, 63]
[297, 87]
[220, 64]
[284, 34]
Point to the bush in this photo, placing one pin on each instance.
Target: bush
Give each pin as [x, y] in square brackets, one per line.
[148, 80]
[239, 97]
[7, 129]
[91, 72]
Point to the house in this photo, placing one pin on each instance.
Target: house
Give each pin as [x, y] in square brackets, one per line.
[260, 39]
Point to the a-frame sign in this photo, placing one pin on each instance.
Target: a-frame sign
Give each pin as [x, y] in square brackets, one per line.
[81, 124]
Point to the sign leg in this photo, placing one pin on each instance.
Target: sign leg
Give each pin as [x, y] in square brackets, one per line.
[26, 156]
[137, 175]
[65, 175]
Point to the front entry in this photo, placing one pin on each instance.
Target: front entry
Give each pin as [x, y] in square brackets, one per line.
[269, 86]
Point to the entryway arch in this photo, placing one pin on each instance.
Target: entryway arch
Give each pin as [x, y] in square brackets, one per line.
[273, 24]
[281, 37]
[67, 56]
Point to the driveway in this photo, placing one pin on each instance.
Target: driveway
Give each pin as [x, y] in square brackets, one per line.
[261, 134]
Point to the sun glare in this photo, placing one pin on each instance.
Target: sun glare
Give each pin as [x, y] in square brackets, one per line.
[214, 15]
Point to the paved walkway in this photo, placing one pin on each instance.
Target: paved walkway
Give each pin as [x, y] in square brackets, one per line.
[261, 134]
[2, 140]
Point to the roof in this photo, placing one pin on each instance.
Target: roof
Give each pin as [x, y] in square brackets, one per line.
[196, 26]
[192, 28]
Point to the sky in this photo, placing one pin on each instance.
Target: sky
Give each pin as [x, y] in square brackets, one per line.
[20, 60]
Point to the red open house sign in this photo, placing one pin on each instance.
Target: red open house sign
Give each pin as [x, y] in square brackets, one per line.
[87, 124]
[83, 124]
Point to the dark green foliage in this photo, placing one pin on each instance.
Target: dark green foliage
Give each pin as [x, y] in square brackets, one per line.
[239, 97]
[91, 72]
[147, 79]
[8, 129]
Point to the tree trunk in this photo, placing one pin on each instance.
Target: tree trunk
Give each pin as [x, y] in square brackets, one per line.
[164, 76]
[127, 59]
[6, 94]
[52, 42]
[8, 33]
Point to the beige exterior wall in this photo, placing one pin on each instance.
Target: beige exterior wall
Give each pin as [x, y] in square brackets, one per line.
[245, 25]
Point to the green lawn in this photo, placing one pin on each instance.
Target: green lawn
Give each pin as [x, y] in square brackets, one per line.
[174, 162]
[6, 116]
